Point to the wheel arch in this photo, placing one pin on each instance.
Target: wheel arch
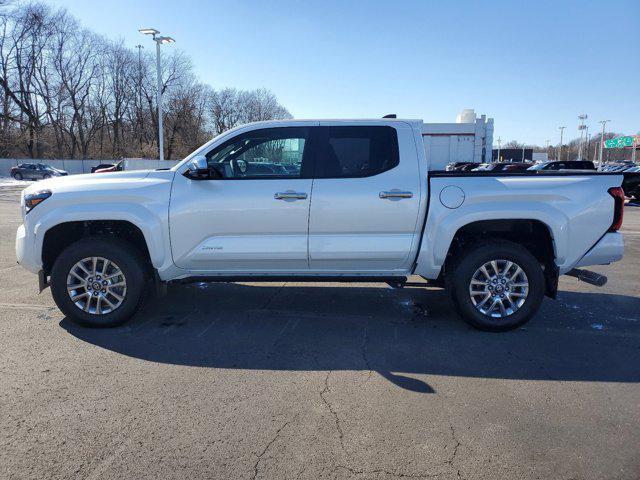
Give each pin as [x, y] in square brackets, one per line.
[532, 234]
[105, 219]
[61, 235]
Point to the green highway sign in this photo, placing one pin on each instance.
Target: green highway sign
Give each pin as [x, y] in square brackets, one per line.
[619, 142]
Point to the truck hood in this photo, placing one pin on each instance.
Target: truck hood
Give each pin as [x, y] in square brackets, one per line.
[112, 194]
[90, 182]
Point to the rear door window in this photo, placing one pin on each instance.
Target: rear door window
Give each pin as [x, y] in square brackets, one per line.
[354, 151]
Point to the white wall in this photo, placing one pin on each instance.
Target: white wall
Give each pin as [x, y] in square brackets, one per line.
[458, 142]
[74, 166]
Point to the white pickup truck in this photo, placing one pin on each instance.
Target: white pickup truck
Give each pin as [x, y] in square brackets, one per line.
[319, 200]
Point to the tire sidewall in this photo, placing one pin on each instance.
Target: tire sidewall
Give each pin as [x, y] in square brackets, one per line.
[121, 253]
[477, 257]
[17, 176]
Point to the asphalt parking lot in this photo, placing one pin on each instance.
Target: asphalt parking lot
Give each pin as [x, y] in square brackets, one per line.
[305, 381]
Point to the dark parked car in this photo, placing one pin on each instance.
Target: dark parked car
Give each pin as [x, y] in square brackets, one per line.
[460, 166]
[566, 165]
[617, 167]
[35, 171]
[101, 166]
[467, 168]
[502, 167]
[631, 182]
[118, 167]
[516, 167]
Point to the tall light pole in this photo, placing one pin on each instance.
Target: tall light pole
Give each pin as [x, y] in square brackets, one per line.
[582, 127]
[159, 40]
[548, 142]
[560, 147]
[603, 123]
[139, 109]
[499, 144]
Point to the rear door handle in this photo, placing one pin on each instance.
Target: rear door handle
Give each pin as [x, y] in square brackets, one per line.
[290, 196]
[396, 194]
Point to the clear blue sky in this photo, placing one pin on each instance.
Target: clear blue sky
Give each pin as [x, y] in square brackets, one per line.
[532, 65]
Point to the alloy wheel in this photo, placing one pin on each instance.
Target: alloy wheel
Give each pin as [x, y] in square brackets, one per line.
[499, 288]
[96, 285]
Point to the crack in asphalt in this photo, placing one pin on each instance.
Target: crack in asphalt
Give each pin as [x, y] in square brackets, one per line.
[452, 459]
[363, 349]
[271, 442]
[355, 471]
[331, 409]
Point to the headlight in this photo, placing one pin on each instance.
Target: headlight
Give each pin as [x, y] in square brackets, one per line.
[33, 199]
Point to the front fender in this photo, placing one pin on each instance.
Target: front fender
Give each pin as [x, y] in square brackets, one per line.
[150, 224]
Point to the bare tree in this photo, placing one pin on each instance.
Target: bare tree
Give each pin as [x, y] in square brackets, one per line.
[230, 107]
[67, 92]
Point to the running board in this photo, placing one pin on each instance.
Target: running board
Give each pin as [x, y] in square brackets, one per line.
[587, 276]
[395, 281]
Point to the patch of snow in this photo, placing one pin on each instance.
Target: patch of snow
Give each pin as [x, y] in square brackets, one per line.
[597, 326]
[12, 182]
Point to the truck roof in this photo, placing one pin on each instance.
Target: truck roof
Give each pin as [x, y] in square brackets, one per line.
[336, 120]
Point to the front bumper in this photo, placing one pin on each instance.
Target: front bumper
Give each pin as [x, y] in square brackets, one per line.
[609, 249]
[24, 251]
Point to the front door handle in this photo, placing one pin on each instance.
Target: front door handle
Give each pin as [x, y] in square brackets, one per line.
[396, 194]
[290, 196]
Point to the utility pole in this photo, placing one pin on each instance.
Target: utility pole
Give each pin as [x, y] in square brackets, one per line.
[603, 123]
[560, 147]
[582, 127]
[523, 153]
[548, 142]
[499, 144]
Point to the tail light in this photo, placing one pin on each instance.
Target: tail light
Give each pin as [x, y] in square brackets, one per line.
[618, 208]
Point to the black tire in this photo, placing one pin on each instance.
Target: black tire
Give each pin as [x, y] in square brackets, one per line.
[17, 176]
[45, 176]
[118, 251]
[468, 265]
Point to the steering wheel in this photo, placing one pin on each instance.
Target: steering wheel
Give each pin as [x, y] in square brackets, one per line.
[238, 166]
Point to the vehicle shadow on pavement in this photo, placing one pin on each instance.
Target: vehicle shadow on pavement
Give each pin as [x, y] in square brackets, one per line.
[397, 333]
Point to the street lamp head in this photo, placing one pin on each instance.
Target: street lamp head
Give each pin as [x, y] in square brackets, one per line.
[149, 31]
[165, 40]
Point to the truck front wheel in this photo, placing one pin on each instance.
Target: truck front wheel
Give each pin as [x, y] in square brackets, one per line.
[98, 281]
[497, 286]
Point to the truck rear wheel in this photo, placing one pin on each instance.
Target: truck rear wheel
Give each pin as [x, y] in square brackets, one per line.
[497, 286]
[98, 282]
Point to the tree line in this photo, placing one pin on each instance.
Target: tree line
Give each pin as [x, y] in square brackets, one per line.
[68, 92]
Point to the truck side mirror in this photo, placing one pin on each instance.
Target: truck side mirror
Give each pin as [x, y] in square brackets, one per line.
[198, 168]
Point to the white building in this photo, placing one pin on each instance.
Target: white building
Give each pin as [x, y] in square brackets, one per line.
[470, 139]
